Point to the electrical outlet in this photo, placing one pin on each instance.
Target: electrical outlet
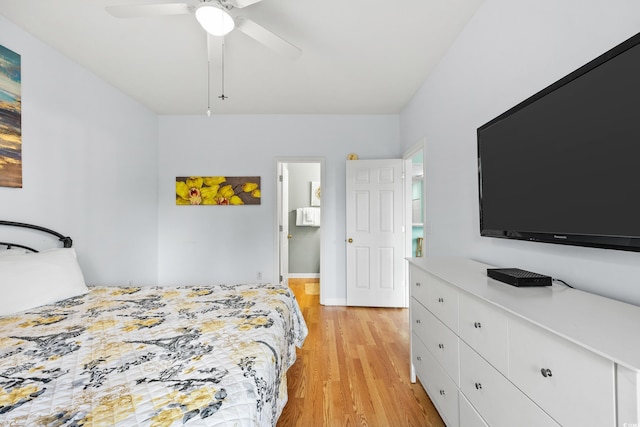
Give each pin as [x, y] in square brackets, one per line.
[259, 275]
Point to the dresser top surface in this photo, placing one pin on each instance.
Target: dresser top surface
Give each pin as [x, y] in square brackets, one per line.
[602, 325]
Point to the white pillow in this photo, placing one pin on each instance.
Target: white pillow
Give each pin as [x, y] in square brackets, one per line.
[35, 279]
[13, 251]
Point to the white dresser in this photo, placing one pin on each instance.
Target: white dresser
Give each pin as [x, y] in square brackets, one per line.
[491, 354]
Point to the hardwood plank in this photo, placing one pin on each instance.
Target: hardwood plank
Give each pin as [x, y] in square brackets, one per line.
[353, 369]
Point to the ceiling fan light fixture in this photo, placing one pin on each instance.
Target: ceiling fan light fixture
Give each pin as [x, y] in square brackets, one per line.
[214, 20]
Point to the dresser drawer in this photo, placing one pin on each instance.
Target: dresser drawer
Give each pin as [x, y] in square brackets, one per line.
[574, 385]
[628, 387]
[492, 395]
[484, 328]
[420, 320]
[469, 417]
[441, 389]
[419, 285]
[443, 302]
[441, 342]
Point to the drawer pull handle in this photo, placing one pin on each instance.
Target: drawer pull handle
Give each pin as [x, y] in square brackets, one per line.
[477, 325]
[418, 284]
[440, 299]
[546, 372]
[442, 393]
[478, 386]
[441, 346]
[419, 358]
[418, 321]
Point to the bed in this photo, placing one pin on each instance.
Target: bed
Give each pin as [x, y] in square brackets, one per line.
[144, 356]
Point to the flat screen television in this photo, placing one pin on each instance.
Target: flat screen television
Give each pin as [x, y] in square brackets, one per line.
[563, 166]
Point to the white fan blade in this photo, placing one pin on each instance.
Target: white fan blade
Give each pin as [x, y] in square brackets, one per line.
[267, 38]
[142, 10]
[240, 3]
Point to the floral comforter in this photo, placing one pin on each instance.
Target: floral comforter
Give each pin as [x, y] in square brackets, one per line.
[151, 356]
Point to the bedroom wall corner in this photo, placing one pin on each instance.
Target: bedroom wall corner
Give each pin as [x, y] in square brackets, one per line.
[507, 52]
[89, 164]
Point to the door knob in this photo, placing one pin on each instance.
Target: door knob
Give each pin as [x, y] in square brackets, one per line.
[350, 240]
[289, 236]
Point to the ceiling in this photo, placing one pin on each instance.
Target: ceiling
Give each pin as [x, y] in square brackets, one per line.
[358, 56]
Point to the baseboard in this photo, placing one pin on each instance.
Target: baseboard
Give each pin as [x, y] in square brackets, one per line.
[335, 301]
[304, 275]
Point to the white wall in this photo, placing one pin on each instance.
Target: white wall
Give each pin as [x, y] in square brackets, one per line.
[89, 164]
[205, 244]
[509, 51]
[101, 168]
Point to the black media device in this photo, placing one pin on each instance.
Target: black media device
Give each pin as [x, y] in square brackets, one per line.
[517, 277]
[562, 166]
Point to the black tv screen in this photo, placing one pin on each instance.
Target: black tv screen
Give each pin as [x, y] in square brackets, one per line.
[563, 166]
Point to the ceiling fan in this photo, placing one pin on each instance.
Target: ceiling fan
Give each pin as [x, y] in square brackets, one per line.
[214, 17]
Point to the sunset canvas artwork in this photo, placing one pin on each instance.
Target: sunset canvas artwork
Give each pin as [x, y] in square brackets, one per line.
[10, 119]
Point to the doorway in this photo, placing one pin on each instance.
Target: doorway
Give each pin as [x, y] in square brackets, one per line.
[299, 183]
[415, 231]
[415, 205]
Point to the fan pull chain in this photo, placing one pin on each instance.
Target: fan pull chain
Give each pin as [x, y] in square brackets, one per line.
[208, 78]
[222, 96]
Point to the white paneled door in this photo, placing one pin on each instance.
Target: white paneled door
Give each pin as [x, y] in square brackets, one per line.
[374, 225]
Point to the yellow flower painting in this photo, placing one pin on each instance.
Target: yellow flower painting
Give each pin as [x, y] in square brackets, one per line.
[218, 190]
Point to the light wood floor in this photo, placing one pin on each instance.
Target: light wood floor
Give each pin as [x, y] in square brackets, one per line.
[353, 369]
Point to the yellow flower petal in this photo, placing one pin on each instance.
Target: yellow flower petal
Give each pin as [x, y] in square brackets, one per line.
[248, 187]
[235, 200]
[180, 201]
[195, 182]
[210, 181]
[182, 190]
[209, 192]
[226, 191]
[256, 193]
